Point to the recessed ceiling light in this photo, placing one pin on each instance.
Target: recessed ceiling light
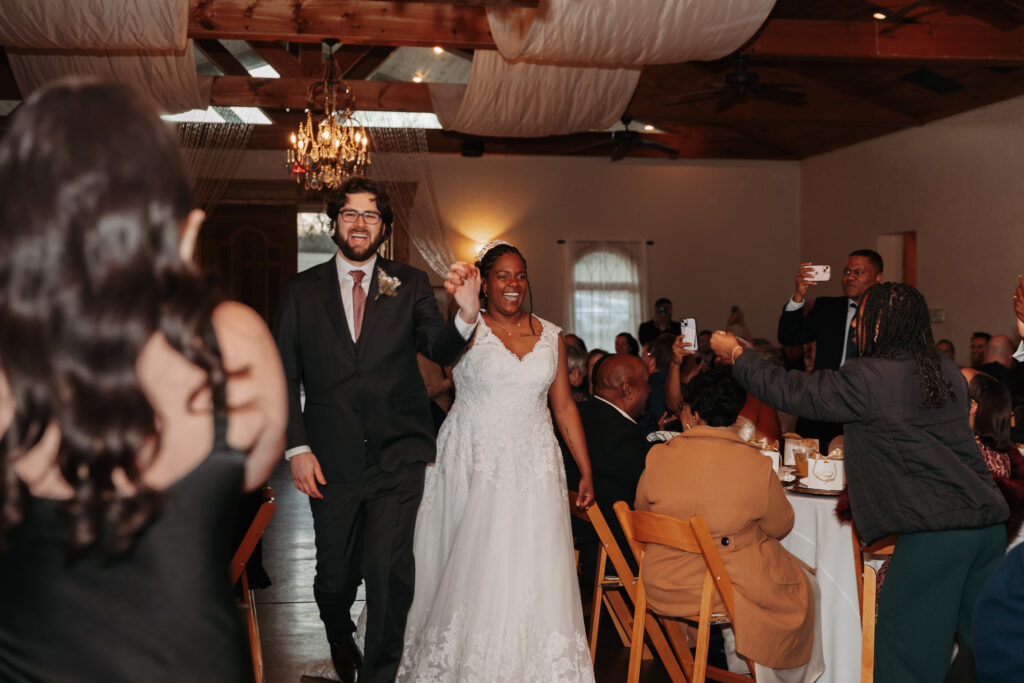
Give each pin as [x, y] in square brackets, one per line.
[438, 49]
[417, 79]
[879, 15]
[648, 127]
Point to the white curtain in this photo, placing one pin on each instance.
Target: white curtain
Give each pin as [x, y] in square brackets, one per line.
[605, 290]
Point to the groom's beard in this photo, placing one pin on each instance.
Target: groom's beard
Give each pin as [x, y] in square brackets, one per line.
[354, 254]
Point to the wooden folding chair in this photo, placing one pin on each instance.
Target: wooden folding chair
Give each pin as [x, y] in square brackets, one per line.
[691, 536]
[867, 587]
[612, 591]
[238, 562]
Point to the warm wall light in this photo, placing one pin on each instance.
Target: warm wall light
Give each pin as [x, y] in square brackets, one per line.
[648, 127]
[417, 79]
[879, 15]
[438, 49]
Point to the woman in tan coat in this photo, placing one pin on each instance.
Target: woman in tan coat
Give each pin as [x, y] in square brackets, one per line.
[708, 470]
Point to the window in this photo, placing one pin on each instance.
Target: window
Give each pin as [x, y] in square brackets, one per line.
[604, 290]
[315, 244]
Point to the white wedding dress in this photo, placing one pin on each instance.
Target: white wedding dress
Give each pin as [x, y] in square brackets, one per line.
[496, 593]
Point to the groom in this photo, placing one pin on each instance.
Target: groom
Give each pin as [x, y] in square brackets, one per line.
[348, 331]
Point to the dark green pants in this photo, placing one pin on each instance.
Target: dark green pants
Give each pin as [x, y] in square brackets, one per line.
[928, 598]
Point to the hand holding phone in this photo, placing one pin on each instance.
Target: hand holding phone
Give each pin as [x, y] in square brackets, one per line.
[818, 273]
[688, 329]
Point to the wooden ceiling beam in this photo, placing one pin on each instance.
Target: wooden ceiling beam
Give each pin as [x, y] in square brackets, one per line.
[660, 85]
[240, 91]
[482, 3]
[963, 43]
[363, 22]
[221, 58]
[369, 62]
[278, 57]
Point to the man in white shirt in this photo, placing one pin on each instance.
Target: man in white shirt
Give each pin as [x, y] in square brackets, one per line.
[828, 324]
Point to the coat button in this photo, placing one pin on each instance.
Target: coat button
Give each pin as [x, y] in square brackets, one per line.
[725, 540]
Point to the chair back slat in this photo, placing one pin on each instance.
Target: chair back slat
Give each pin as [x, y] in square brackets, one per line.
[253, 535]
[714, 563]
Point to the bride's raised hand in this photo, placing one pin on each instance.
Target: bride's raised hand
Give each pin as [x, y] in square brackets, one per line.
[585, 497]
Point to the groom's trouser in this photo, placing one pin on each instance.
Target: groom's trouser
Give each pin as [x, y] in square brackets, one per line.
[364, 530]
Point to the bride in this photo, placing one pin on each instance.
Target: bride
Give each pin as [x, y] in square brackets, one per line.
[496, 592]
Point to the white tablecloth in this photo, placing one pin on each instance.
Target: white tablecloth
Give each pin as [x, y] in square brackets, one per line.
[821, 542]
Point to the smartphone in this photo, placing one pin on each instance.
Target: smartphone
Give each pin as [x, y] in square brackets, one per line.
[688, 328]
[819, 273]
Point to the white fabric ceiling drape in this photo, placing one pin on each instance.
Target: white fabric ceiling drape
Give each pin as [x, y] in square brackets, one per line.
[626, 31]
[519, 99]
[141, 43]
[571, 65]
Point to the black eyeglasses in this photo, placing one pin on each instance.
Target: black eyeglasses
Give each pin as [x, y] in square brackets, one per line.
[351, 216]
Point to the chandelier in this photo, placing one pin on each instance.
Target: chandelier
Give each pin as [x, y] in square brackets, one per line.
[336, 147]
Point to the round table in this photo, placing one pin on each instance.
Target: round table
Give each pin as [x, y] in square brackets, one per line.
[820, 541]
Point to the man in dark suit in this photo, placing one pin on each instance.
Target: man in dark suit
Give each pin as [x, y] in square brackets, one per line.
[616, 445]
[348, 331]
[828, 325]
[659, 324]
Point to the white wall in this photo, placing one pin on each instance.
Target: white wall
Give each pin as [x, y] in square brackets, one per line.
[958, 183]
[724, 233]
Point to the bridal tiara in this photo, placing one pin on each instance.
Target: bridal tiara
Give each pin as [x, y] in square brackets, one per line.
[491, 245]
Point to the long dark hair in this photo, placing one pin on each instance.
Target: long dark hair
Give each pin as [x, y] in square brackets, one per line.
[93, 194]
[992, 420]
[486, 264]
[895, 323]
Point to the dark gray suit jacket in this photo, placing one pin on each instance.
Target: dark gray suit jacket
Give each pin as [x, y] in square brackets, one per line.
[365, 401]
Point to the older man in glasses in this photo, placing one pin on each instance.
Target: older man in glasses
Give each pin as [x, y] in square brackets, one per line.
[348, 331]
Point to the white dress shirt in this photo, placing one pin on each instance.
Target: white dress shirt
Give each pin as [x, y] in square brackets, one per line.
[345, 283]
[851, 311]
[621, 411]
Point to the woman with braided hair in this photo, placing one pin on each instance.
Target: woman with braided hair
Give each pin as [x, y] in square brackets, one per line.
[913, 468]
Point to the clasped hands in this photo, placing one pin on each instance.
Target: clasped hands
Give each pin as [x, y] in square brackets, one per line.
[463, 284]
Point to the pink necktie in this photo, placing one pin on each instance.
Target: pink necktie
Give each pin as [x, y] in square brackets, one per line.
[358, 300]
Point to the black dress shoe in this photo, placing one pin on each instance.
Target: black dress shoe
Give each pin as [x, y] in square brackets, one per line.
[347, 659]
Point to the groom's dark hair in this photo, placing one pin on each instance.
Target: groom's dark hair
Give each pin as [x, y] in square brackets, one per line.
[357, 184]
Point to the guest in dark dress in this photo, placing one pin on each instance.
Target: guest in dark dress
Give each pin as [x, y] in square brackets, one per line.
[133, 408]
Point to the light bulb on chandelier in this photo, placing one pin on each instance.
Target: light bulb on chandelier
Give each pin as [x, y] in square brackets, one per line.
[337, 147]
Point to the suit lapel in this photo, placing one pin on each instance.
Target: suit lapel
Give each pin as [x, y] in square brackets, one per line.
[330, 291]
[371, 312]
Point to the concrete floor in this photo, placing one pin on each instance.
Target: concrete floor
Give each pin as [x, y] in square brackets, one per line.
[291, 632]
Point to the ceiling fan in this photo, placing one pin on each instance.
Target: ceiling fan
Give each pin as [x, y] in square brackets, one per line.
[739, 85]
[623, 140]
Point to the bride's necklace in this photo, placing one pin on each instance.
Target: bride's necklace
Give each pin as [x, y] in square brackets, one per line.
[519, 323]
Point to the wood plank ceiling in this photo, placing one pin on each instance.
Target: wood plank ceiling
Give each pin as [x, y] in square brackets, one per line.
[847, 76]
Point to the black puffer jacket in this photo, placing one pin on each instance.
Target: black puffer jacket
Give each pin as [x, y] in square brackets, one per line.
[908, 468]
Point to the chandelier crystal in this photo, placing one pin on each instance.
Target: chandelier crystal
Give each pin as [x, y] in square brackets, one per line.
[323, 154]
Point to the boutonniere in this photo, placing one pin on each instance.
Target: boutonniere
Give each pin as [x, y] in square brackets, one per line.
[387, 284]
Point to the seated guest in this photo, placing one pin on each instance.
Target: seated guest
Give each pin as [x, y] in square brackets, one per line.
[946, 347]
[660, 359]
[999, 363]
[576, 359]
[626, 343]
[593, 357]
[683, 369]
[134, 406]
[709, 471]
[990, 420]
[616, 445]
[979, 340]
[575, 340]
[660, 324]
